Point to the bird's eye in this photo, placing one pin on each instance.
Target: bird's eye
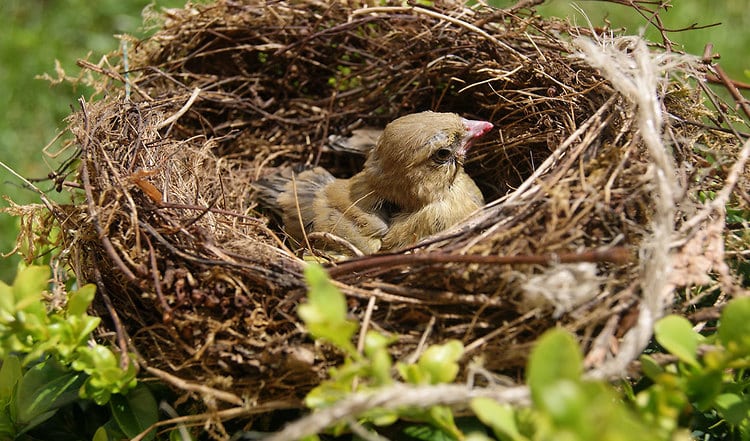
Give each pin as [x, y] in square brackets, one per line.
[442, 155]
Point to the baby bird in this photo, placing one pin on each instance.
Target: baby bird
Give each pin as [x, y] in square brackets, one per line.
[413, 185]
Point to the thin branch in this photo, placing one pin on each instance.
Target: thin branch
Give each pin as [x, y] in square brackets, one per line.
[182, 110]
[394, 397]
[619, 255]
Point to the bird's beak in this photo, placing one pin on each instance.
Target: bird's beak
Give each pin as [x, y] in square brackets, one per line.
[474, 130]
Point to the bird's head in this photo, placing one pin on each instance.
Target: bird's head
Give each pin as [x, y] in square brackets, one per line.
[420, 155]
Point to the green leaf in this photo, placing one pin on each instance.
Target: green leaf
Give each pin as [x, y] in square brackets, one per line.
[135, 412]
[650, 367]
[325, 394]
[440, 362]
[106, 376]
[325, 313]
[380, 416]
[10, 374]
[442, 417]
[565, 401]
[79, 300]
[376, 351]
[42, 390]
[555, 357]
[677, 336]
[732, 408]
[28, 287]
[734, 326]
[330, 303]
[73, 332]
[411, 373]
[424, 432]
[7, 303]
[100, 434]
[478, 436]
[703, 387]
[7, 428]
[499, 417]
[375, 342]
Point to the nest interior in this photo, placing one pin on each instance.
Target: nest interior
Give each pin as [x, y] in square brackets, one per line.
[205, 285]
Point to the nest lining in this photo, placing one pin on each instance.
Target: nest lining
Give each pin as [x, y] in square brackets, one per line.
[204, 283]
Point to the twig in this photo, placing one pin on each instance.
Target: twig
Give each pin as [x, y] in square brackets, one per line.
[47, 203]
[122, 337]
[222, 415]
[393, 397]
[365, 324]
[166, 310]
[85, 64]
[414, 356]
[715, 79]
[618, 255]
[528, 4]
[718, 204]
[741, 101]
[299, 216]
[182, 110]
[337, 240]
[202, 389]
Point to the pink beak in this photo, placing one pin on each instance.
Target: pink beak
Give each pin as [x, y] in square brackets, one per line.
[474, 130]
[477, 128]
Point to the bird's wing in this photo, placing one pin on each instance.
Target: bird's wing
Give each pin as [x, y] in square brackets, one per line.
[360, 142]
[297, 200]
[338, 214]
[268, 189]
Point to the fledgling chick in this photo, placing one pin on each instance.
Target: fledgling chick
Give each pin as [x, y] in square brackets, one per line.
[413, 185]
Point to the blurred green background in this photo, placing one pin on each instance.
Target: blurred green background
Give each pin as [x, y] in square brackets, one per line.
[37, 32]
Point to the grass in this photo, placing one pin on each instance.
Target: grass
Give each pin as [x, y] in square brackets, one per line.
[37, 32]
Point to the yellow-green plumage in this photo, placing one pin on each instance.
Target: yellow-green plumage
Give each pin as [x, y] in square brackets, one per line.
[413, 185]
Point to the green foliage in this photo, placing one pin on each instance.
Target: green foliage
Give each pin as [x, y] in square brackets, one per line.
[438, 364]
[676, 335]
[40, 392]
[325, 312]
[555, 358]
[708, 380]
[500, 417]
[564, 406]
[704, 381]
[135, 412]
[324, 315]
[50, 362]
[734, 332]
[27, 328]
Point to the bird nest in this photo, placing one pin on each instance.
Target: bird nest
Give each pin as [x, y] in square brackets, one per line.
[594, 177]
